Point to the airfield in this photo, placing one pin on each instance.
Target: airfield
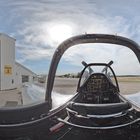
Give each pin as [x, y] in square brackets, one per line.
[128, 85]
[64, 88]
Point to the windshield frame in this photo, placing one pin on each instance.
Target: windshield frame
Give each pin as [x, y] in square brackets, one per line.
[98, 64]
[82, 39]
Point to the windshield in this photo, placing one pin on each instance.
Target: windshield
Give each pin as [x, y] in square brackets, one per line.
[76, 58]
[89, 70]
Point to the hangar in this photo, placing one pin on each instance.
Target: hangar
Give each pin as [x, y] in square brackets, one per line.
[12, 73]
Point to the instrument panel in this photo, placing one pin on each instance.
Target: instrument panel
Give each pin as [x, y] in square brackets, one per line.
[96, 83]
[98, 88]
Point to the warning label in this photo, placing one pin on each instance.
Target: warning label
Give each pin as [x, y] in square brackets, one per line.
[7, 70]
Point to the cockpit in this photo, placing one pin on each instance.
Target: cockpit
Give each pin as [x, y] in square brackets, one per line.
[98, 84]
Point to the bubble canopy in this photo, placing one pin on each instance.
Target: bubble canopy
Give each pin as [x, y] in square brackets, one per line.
[82, 39]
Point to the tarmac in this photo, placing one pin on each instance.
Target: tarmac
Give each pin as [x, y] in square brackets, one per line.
[29, 94]
[10, 98]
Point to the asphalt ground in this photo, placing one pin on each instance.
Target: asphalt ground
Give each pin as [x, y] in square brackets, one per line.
[69, 86]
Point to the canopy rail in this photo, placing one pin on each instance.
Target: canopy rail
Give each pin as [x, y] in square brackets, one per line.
[82, 39]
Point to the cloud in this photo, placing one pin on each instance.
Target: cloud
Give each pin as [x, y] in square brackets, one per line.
[29, 21]
[125, 61]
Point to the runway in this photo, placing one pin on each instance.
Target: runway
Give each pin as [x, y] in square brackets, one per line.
[65, 88]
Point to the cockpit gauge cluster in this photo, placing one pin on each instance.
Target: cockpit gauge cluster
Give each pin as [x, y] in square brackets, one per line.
[96, 82]
[98, 88]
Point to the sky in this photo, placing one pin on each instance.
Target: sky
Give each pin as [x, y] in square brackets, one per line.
[39, 26]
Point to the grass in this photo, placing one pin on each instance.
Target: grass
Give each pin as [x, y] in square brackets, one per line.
[128, 79]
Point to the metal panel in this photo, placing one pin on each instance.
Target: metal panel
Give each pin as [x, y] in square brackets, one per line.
[7, 59]
[0, 63]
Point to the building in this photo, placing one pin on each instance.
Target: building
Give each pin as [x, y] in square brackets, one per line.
[41, 78]
[12, 74]
[23, 75]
